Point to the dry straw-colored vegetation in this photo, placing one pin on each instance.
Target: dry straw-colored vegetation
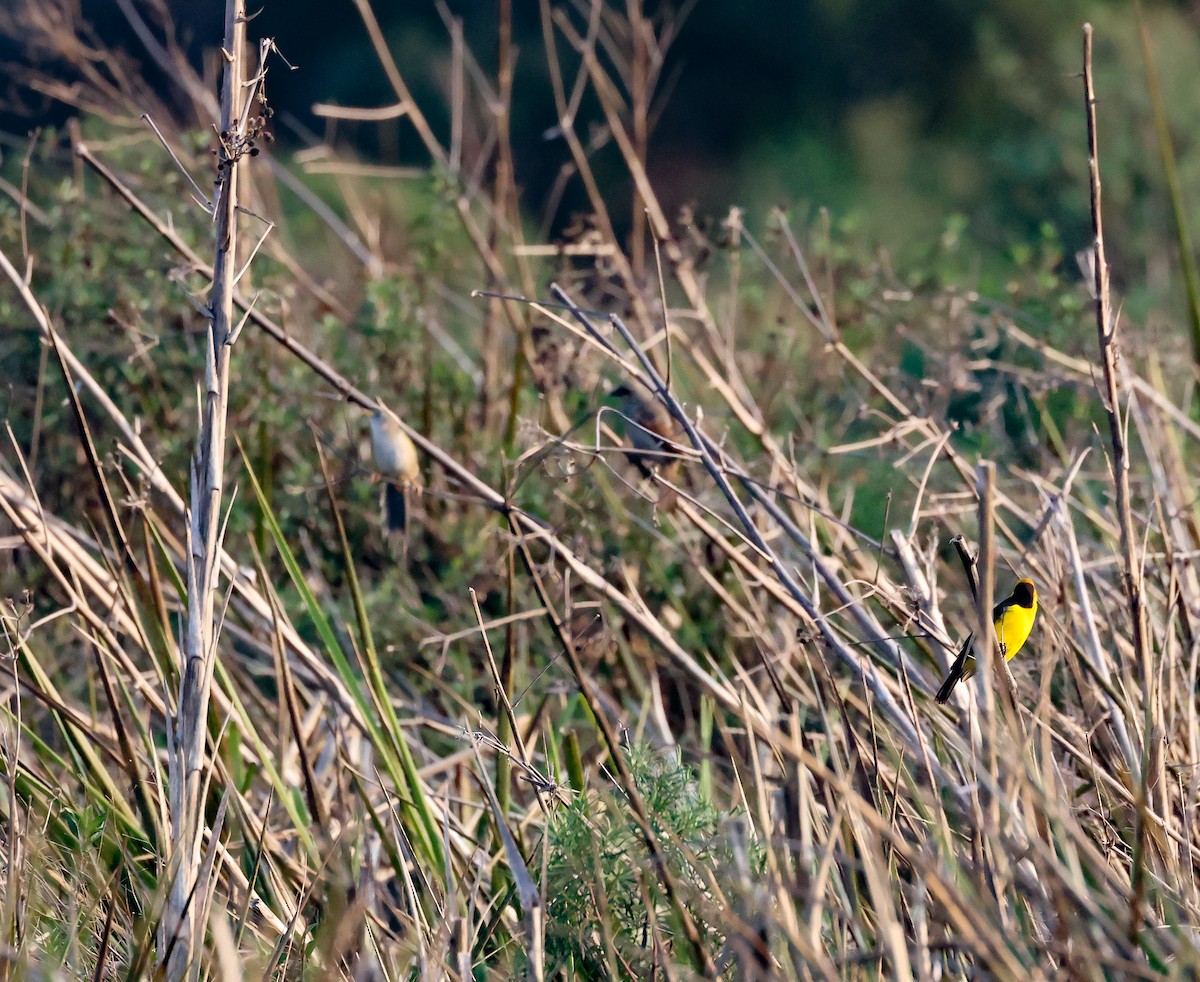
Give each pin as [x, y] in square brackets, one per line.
[579, 725]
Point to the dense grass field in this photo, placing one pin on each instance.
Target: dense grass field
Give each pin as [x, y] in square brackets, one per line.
[592, 714]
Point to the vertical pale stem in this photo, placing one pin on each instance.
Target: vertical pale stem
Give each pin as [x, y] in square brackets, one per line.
[1131, 569]
[1106, 328]
[985, 663]
[181, 934]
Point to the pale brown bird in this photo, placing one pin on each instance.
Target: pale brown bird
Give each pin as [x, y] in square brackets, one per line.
[397, 463]
[652, 434]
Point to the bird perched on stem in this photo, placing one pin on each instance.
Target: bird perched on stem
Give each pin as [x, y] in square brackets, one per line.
[1013, 620]
[652, 435]
[396, 461]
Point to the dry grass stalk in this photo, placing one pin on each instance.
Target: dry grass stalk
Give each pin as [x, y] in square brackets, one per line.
[180, 936]
[1106, 330]
[870, 832]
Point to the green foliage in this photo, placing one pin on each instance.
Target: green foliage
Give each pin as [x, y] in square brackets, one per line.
[1003, 147]
[600, 873]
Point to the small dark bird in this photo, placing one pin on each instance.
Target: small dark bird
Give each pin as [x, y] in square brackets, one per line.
[396, 460]
[652, 434]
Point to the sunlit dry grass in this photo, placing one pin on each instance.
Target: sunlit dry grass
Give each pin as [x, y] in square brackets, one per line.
[700, 739]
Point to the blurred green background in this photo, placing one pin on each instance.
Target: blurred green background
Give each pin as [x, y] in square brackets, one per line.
[911, 120]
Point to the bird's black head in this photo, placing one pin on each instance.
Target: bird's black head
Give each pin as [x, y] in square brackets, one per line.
[1024, 593]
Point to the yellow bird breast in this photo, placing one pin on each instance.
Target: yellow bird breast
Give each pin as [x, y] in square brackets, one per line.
[1013, 620]
[1013, 627]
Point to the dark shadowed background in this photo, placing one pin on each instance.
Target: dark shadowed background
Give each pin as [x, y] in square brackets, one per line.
[916, 119]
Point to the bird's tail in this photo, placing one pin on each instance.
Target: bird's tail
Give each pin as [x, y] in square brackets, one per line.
[956, 670]
[395, 508]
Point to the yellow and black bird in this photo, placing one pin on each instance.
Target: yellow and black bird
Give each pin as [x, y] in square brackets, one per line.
[1012, 619]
